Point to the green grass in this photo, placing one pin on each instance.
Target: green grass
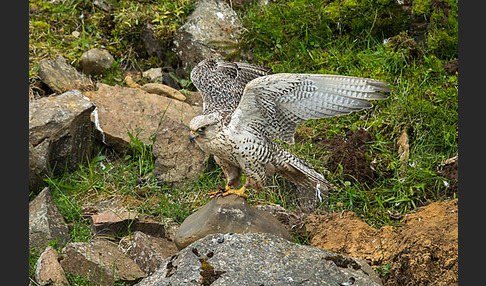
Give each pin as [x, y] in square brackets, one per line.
[423, 101]
[336, 37]
[53, 28]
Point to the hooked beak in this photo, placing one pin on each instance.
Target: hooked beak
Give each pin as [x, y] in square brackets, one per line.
[192, 136]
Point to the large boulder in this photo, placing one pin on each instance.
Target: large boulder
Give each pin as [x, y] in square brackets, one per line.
[259, 259]
[211, 26]
[121, 110]
[230, 214]
[46, 223]
[60, 132]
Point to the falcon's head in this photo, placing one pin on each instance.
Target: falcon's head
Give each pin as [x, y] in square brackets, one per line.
[204, 128]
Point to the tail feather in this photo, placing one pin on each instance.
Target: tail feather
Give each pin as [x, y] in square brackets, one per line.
[301, 173]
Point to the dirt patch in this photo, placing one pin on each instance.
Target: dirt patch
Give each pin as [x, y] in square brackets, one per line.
[423, 251]
[349, 152]
[451, 67]
[449, 170]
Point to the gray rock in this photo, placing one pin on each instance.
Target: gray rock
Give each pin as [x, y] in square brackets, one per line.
[101, 262]
[48, 271]
[60, 132]
[96, 61]
[177, 160]
[212, 26]
[121, 110]
[46, 222]
[149, 251]
[105, 6]
[291, 220]
[259, 259]
[153, 74]
[153, 47]
[230, 214]
[62, 77]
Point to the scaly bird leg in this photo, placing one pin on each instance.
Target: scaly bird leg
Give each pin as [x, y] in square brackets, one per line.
[228, 191]
[216, 193]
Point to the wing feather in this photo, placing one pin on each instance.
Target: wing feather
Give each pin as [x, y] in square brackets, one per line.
[221, 84]
[273, 105]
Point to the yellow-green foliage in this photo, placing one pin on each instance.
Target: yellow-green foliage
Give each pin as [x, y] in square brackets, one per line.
[421, 7]
[442, 29]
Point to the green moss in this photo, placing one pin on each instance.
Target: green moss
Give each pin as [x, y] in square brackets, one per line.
[442, 25]
[403, 48]
[421, 7]
[442, 43]
[378, 18]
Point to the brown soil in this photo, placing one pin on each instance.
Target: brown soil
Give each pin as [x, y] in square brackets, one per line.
[423, 251]
[349, 152]
[451, 67]
[449, 171]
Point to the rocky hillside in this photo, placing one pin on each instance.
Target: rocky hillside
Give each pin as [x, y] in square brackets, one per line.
[115, 184]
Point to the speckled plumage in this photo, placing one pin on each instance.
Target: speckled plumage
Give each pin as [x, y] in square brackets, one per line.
[246, 107]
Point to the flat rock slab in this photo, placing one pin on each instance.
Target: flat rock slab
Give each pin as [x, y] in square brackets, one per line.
[62, 77]
[230, 214]
[115, 217]
[48, 271]
[46, 222]
[121, 110]
[259, 259]
[101, 262]
[112, 223]
[59, 134]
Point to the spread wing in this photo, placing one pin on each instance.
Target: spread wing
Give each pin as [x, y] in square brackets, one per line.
[221, 84]
[273, 105]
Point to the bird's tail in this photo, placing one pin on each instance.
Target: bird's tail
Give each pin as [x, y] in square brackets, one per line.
[301, 173]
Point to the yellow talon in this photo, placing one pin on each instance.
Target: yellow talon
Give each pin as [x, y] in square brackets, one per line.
[228, 191]
[241, 192]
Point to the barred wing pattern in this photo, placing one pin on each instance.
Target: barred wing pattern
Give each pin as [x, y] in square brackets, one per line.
[273, 105]
[221, 84]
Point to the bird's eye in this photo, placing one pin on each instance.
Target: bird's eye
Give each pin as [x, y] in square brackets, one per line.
[201, 129]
